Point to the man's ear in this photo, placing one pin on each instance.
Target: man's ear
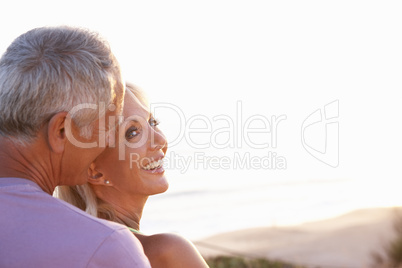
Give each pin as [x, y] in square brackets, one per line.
[56, 132]
[95, 177]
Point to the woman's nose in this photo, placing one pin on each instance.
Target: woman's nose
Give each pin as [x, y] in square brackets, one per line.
[158, 140]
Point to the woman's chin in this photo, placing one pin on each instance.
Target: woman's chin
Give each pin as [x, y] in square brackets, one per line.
[157, 186]
[164, 186]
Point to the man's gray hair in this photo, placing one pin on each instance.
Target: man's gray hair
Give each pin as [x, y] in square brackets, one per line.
[53, 69]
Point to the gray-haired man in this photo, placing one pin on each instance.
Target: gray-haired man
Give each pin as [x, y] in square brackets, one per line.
[60, 90]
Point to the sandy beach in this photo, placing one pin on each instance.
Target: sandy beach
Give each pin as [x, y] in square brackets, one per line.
[346, 241]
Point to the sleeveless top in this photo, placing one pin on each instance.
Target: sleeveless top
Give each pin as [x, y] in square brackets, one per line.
[134, 231]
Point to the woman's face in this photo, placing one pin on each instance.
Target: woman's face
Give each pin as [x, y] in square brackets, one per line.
[135, 164]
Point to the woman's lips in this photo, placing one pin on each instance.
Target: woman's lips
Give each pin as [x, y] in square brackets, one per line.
[154, 166]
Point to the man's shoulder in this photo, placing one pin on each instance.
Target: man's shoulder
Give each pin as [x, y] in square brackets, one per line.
[53, 231]
[25, 198]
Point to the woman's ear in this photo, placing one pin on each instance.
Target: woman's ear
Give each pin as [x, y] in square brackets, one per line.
[56, 132]
[96, 178]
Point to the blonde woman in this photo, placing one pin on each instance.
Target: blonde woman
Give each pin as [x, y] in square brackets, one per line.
[119, 187]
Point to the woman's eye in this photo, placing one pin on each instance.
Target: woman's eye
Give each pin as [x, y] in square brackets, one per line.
[153, 122]
[131, 132]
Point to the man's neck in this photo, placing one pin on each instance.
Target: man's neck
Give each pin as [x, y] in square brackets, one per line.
[26, 162]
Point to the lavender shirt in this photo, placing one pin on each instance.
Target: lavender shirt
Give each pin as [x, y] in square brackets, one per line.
[38, 230]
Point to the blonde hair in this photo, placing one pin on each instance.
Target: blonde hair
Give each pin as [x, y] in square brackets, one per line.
[83, 196]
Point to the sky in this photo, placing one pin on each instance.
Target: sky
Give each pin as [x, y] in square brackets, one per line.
[316, 83]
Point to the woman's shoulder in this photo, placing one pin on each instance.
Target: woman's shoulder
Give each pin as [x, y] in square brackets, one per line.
[170, 239]
[168, 243]
[171, 250]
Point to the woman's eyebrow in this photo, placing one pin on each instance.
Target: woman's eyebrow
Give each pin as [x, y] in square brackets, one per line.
[134, 120]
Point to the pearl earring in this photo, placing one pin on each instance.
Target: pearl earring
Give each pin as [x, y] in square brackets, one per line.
[107, 182]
